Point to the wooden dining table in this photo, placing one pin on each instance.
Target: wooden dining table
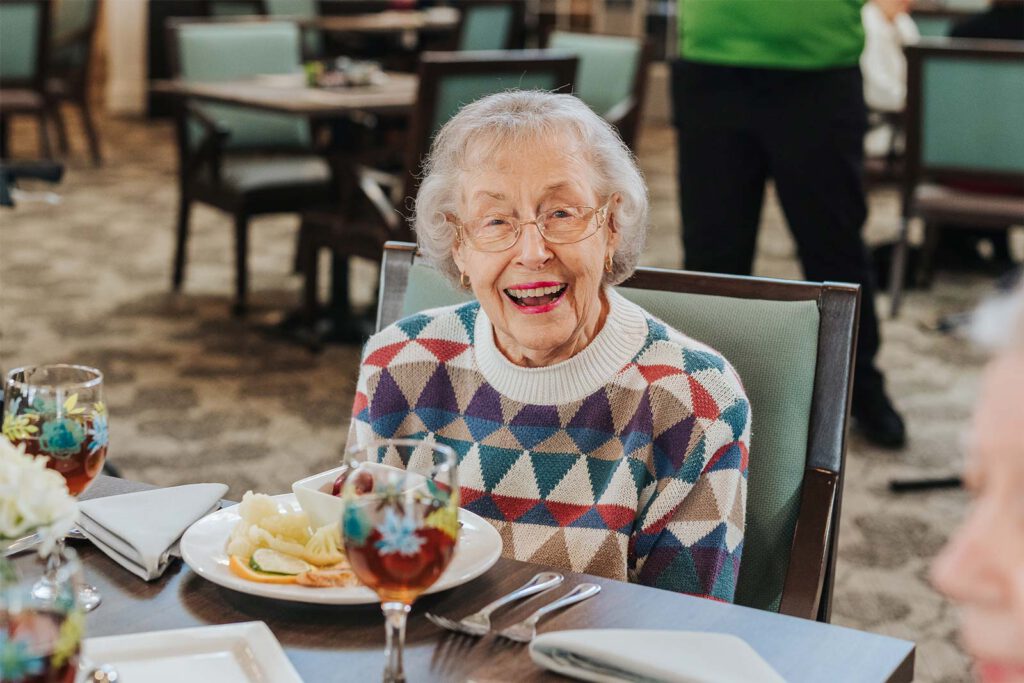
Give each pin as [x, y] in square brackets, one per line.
[289, 94]
[346, 643]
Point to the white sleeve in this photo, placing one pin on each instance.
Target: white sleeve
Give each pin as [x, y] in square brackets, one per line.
[882, 63]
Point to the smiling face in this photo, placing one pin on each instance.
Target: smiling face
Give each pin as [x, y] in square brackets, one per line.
[982, 566]
[544, 300]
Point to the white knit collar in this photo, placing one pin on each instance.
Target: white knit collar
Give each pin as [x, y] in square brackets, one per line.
[620, 339]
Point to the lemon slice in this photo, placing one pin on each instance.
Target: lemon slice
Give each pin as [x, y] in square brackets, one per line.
[274, 562]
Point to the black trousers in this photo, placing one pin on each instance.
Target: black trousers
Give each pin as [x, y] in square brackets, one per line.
[737, 127]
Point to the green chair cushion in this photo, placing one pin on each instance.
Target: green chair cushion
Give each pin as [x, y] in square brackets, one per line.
[219, 52]
[486, 27]
[19, 32]
[972, 114]
[253, 174]
[455, 91]
[748, 332]
[607, 67]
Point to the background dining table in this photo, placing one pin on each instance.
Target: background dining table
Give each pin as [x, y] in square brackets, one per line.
[347, 642]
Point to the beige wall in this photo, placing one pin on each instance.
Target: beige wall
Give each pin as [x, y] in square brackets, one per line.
[124, 28]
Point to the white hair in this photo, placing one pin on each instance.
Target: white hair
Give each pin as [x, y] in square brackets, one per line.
[505, 121]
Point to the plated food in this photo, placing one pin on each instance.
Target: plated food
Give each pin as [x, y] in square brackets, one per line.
[274, 545]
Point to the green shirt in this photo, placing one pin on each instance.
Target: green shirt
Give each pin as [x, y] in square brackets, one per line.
[786, 34]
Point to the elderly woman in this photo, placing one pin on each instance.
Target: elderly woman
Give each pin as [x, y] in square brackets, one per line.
[593, 436]
[982, 567]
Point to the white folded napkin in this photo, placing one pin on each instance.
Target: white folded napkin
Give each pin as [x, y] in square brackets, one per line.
[639, 656]
[140, 530]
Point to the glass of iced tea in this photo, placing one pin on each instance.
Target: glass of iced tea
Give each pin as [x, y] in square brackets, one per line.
[40, 635]
[58, 413]
[399, 526]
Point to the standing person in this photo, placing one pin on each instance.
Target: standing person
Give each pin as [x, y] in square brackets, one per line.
[772, 89]
[887, 29]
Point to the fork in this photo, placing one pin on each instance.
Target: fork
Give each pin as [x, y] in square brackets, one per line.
[526, 629]
[479, 623]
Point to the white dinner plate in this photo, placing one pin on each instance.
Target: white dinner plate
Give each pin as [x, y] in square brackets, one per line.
[232, 653]
[204, 544]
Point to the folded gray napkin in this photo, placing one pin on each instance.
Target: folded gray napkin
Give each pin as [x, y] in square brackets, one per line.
[639, 656]
[140, 530]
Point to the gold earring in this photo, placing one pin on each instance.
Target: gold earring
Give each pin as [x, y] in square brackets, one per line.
[608, 263]
[463, 280]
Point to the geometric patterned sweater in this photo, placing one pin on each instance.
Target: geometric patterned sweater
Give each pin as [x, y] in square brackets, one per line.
[628, 460]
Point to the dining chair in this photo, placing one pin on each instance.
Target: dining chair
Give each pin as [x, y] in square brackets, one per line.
[792, 344]
[447, 81]
[74, 26]
[242, 161]
[612, 76]
[24, 48]
[490, 24]
[965, 142]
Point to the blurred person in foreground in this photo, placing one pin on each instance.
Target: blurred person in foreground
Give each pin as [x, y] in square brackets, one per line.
[772, 89]
[593, 436]
[982, 566]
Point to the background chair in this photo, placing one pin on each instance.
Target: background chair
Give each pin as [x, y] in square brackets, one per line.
[448, 80]
[612, 76]
[792, 344]
[24, 48]
[242, 161]
[312, 40]
[963, 122]
[490, 24]
[74, 26]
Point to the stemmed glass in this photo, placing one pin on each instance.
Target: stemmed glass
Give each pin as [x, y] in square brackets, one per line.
[58, 412]
[399, 527]
[41, 635]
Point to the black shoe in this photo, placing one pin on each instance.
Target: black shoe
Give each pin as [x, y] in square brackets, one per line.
[875, 417]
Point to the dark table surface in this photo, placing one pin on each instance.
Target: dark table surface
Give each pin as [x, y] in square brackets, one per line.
[344, 643]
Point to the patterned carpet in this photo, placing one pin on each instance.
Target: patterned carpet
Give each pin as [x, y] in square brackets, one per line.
[195, 395]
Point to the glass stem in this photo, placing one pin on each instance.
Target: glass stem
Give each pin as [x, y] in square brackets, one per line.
[395, 614]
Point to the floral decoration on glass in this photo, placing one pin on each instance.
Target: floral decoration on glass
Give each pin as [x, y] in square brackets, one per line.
[400, 532]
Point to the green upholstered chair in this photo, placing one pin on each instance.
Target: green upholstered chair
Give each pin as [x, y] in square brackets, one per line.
[234, 8]
[964, 109]
[73, 29]
[448, 80]
[24, 46]
[490, 24]
[792, 344]
[612, 76]
[240, 160]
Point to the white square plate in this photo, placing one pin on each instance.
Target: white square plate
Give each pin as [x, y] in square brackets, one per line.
[231, 653]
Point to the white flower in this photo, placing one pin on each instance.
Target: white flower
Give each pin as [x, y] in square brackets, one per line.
[33, 498]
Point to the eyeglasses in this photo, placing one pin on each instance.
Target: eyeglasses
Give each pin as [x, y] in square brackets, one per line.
[562, 225]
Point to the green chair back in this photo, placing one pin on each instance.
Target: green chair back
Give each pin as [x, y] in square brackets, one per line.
[312, 41]
[933, 25]
[234, 8]
[972, 113]
[21, 30]
[74, 17]
[607, 69]
[450, 80]
[773, 345]
[490, 24]
[226, 51]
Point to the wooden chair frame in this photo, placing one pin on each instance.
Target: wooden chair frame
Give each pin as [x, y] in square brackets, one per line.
[242, 206]
[807, 591]
[33, 86]
[73, 86]
[916, 170]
